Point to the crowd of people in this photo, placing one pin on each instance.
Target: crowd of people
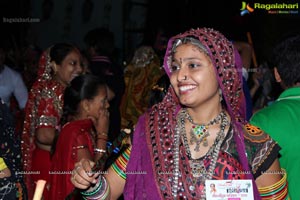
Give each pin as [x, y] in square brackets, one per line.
[159, 128]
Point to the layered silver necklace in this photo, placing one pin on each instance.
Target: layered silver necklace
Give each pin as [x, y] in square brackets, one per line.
[198, 168]
[199, 132]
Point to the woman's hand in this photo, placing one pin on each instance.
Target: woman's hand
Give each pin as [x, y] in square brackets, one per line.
[83, 176]
[102, 122]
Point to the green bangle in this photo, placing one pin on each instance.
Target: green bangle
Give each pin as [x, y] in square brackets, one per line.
[94, 191]
[274, 191]
[103, 193]
[119, 171]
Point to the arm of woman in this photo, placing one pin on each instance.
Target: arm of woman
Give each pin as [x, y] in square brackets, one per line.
[264, 152]
[47, 116]
[272, 184]
[109, 185]
[82, 179]
[271, 176]
[116, 183]
[83, 147]
[101, 125]
[45, 137]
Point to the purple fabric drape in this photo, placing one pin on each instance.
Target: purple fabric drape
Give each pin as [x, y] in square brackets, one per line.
[140, 183]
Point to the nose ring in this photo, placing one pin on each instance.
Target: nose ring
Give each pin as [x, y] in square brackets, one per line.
[185, 78]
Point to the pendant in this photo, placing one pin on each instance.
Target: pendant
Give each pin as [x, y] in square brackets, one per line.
[199, 130]
[198, 170]
[199, 135]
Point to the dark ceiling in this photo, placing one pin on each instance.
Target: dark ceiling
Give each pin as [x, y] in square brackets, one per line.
[178, 15]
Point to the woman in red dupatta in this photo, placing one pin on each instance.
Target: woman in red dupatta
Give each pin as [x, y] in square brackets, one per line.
[84, 132]
[58, 65]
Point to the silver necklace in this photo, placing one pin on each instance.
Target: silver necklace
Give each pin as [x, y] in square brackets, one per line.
[213, 152]
[199, 132]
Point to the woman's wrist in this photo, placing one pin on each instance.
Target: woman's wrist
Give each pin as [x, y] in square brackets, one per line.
[99, 191]
[101, 140]
[101, 135]
[99, 150]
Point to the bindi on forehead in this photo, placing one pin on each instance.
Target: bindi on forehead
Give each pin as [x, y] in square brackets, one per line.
[196, 49]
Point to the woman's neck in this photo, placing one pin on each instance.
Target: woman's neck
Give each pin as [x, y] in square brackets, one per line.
[202, 115]
[64, 84]
[79, 116]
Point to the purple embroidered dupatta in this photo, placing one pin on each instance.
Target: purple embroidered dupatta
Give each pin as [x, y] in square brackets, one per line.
[140, 186]
[142, 159]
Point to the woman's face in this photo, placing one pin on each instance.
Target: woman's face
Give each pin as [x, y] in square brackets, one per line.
[69, 68]
[99, 102]
[193, 77]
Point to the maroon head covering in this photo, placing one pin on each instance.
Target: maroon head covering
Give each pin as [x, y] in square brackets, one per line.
[223, 56]
[44, 71]
[161, 119]
[228, 69]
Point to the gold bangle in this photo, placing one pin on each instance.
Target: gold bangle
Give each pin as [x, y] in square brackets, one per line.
[102, 133]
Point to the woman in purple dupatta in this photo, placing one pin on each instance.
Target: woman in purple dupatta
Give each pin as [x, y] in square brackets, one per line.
[197, 133]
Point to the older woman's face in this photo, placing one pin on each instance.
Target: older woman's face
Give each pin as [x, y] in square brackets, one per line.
[193, 77]
[69, 68]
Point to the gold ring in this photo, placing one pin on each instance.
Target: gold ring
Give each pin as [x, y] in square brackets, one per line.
[78, 167]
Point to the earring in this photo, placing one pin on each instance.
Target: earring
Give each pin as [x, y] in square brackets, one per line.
[221, 95]
[54, 68]
[86, 108]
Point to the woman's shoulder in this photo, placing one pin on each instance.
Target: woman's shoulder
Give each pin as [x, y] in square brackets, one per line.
[254, 134]
[77, 126]
[261, 149]
[47, 88]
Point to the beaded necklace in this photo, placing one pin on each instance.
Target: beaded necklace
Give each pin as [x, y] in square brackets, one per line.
[200, 174]
[199, 132]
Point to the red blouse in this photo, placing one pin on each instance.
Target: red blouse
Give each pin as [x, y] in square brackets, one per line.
[74, 135]
[43, 109]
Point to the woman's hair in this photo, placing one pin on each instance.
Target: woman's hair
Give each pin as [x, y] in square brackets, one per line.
[59, 51]
[82, 87]
[56, 53]
[189, 40]
[159, 90]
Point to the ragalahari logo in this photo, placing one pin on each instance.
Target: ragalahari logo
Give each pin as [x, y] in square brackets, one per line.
[246, 9]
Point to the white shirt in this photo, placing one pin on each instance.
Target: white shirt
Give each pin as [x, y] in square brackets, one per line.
[11, 83]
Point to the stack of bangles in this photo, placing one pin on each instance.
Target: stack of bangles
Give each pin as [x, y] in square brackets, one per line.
[119, 166]
[100, 191]
[277, 191]
[113, 147]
